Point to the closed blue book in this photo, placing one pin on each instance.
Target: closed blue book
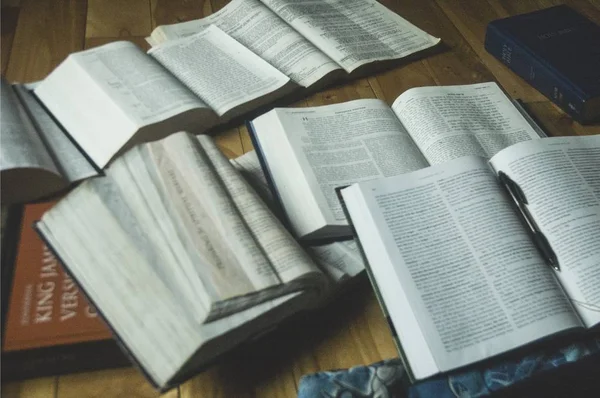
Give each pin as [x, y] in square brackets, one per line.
[557, 51]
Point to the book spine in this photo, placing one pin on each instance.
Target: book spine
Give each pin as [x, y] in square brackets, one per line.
[537, 73]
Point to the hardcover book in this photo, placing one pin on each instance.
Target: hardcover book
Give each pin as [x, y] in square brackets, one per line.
[183, 258]
[51, 329]
[474, 257]
[308, 152]
[198, 74]
[557, 51]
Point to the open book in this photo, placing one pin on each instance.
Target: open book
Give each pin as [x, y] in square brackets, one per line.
[460, 275]
[36, 157]
[182, 257]
[114, 96]
[308, 152]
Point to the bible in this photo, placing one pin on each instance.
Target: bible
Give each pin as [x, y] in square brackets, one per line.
[114, 96]
[454, 257]
[308, 152]
[182, 257]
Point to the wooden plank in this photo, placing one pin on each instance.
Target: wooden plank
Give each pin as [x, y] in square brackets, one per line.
[99, 41]
[9, 16]
[166, 12]
[556, 123]
[230, 143]
[35, 388]
[471, 19]
[117, 18]
[220, 381]
[109, 383]
[47, 31]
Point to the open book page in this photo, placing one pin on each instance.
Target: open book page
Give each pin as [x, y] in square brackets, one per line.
[561, 181]
[353, 32]
[453, 261]
[284, 254]
[339, 260]
[28, 170]
[71, 162]
[21, 144]
[218, 69]
[259, 29]
[453, 121]
[104, 95]
[314, 150]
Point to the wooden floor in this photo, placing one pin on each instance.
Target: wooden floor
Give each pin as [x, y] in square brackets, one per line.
[38, 34]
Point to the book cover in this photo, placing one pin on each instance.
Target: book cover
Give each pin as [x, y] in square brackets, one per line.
[50, 327]
[557, 51]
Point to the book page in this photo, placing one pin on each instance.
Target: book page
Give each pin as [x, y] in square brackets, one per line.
[353, 32]
[71, 162]
[286, 256]
[339, 260]
[561, 181]
[321, 148]
[265, 34]
[453, 121]
[218, 69]
[21, 145]
[450, 241]
[104, 95]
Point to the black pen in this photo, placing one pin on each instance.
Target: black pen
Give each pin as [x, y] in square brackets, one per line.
[518, 197]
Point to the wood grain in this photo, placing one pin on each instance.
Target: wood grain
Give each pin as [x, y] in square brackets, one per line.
[47, 31]
[38, 34]
[118, 18]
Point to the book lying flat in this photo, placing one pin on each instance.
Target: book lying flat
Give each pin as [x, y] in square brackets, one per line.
[36, 157]
[51, 329]
[556, 51]
[459, 274]
[111, 97]
[182, 257]
[308, 152]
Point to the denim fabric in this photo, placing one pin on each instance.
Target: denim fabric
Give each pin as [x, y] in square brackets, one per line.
[387, 379]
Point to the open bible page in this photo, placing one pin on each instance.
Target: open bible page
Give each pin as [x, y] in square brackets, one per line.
[353, 32]
[21, 144]
[321, 148]
[453, 121]
[561, 181]
[104, 95]
[339, 260]
[218, 69]
[73, 165]
[259, 29]
[28, 171]
[286, 256]
[445, 242]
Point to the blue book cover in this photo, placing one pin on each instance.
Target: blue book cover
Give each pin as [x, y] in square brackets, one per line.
[557, 51]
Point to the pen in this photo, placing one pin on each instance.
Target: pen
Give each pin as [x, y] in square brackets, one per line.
[518, 197]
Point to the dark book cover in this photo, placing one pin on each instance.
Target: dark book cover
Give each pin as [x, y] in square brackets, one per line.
[557, 51]
[51, 328]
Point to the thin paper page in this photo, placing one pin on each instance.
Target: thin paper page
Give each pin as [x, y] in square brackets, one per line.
[104, 95]
[341, 144]
[353, 32]
[338, 259]
[21, 145]
[73, 165]
[259, 29]
[453, 121]
[284, 253]
[206, 191]
[218, 69]
[474, 280]
[561, 181]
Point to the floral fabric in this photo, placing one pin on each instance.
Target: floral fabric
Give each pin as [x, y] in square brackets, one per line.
[387, 379]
